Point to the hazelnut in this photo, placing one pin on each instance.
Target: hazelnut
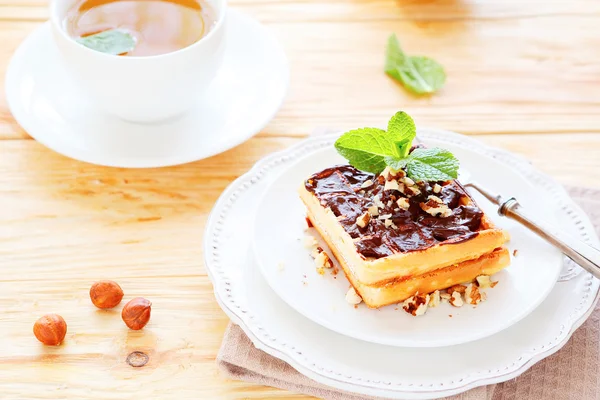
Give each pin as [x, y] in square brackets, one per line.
[136, 313]
[106, 294]
[50, 329]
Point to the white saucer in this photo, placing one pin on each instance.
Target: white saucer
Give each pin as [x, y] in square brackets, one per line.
[280, 226]
[243, 98]
[372, 369]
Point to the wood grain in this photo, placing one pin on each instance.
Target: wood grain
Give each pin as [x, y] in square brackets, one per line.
[522, 75]
[65, 224]
[510, 68]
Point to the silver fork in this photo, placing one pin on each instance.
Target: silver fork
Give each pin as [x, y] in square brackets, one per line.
[586, 256]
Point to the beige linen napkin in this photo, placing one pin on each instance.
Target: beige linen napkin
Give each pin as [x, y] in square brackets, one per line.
[571, 373]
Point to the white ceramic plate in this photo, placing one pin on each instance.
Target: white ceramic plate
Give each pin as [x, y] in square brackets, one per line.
[280, 225]
[245, 95]
[372, 369]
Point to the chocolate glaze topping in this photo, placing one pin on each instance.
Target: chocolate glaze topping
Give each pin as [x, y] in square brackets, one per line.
[339, 188]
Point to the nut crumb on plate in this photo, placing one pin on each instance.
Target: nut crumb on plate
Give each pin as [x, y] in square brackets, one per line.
[456, 299]
[322, 261]
[473, 295]
[310, 241]
[352, 297]
[456, 288]
[483, 281]
[416, 305]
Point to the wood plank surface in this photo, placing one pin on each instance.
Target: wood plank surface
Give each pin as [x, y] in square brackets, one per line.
[508, 70]
[521, 75]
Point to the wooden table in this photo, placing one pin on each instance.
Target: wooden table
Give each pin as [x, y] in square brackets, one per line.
[523, 75]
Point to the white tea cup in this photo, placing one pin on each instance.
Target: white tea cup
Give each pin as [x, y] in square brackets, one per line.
[142, 89]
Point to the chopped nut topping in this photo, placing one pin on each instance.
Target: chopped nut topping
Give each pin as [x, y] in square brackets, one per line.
[434, 299]
[389, 203]
[388, 222]
[435, 198]
[416, 305]
[366, 184]
[483, 281]
[411, 191]
[389, 173]
[515, 252]
[310, 242]
[432, 207]
[493, 284]
[472, 295]
[403, 203]
[363, 220]
[352, 297]
[456, 288]
[321, 271]
[391, 185]
[385, 216]
[456, 299]
[444, 296]
[373, 211]
[408, 182]
[377, 201]
[437, 188]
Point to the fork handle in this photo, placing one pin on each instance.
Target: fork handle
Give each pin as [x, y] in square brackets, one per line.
[583, 254]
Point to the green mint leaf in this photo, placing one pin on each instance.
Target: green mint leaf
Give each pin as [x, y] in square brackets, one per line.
[366, 148]
[431, 165]
[113, 42]
[420, 75]
[394, 56]
[396, 163]
[402, 130]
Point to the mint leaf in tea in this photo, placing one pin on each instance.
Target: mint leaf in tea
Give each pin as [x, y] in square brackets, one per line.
[114, 42]
[139, 27]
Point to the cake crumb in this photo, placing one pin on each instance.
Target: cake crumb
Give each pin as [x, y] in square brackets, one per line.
[515, 252]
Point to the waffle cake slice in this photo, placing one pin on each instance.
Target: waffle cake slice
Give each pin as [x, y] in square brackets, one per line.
[394, 237]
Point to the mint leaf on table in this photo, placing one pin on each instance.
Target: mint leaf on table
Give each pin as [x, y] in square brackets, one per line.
[366, 148]
[422, 75]
[394, 56]
[113, 42]
[419, 74]
[433, 164]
